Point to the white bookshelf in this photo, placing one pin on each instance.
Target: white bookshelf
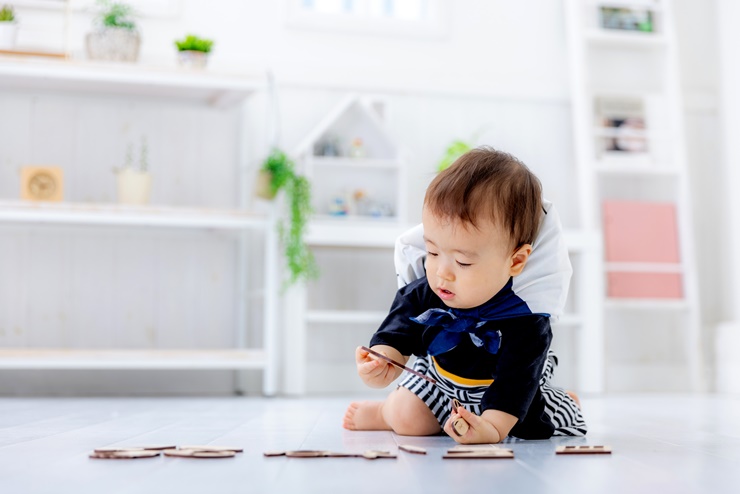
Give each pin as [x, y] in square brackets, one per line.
[635, 66]
[236, 227]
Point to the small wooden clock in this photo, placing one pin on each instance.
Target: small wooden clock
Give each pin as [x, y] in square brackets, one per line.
[42, 183]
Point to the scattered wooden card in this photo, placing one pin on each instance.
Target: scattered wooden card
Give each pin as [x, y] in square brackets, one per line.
[481, 453]
[192, 453]
[125, 455]
[213, 448]
[583, 449]
[412, 449]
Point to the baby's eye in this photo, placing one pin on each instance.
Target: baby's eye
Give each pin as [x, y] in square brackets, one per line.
[463, 265]
[432, 253]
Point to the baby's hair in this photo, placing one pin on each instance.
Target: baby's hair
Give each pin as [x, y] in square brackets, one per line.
[487, 184]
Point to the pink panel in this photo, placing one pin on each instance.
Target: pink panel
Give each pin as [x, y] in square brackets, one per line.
[640, 232]
[644, 285]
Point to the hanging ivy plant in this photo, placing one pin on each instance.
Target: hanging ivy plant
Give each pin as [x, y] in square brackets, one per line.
[299, 258]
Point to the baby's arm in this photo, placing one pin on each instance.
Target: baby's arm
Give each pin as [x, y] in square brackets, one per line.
[491, 427]
[378, 373]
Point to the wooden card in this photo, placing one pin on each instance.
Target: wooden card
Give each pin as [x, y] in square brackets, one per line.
[481, 453]
[584, 449]
[42, 183]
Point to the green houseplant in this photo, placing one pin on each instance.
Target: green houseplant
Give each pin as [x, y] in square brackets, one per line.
[278, 173]
[116, 37]
[8, 28]
[7, 14]
[193, 51]
[454, 150]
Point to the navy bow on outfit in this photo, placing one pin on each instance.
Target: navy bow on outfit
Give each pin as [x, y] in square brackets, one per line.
[457, 322]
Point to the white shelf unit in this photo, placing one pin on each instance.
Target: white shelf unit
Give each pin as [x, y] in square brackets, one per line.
[147, 85]
[583, 319]
[628, 67]
[339, 311]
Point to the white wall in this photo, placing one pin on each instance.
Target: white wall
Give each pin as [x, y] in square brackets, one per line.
[502, 64]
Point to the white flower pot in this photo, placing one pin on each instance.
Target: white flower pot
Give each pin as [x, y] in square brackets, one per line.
[192, 59]
[133, 186]
[8, 34]
[114, 44]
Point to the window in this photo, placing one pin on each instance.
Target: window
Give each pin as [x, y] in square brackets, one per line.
[414, 18]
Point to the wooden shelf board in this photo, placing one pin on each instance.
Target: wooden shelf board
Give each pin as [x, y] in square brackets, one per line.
[122, 215]
[28, 358]
[87, 77]
[34, 53]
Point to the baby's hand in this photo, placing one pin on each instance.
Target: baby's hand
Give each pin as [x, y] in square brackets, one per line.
[480, 431]
[374, 372]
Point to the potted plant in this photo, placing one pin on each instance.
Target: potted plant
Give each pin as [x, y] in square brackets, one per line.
[8, 28]
[116, 37]
[278, 173]
[134, 183]
[192, 51]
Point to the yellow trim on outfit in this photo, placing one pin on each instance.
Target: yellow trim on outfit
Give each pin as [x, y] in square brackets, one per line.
[461, 380]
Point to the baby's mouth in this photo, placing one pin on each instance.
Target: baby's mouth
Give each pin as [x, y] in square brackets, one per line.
[445, 294]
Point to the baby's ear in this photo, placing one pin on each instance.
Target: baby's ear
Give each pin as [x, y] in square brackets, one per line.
[519, 259]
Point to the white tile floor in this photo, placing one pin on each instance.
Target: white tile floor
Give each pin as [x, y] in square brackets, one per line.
[675, 444]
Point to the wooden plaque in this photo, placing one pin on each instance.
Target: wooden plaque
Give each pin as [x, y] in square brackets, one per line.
[42, 183]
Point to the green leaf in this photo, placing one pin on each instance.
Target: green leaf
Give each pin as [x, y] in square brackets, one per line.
[453, 151]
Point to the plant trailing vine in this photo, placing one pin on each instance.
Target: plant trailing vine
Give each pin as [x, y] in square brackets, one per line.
[299, 259]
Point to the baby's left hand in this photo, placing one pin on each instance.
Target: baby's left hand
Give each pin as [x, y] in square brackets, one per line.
[480, 431]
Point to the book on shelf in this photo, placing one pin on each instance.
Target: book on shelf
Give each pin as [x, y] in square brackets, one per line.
[620, 126]
[622, 18]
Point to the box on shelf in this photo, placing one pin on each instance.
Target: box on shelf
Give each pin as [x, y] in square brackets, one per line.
[642, 233]
[637, 231]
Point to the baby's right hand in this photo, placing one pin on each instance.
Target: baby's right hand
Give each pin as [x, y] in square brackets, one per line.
[374, 372]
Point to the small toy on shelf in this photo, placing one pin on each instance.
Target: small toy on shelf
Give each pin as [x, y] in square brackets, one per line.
[328, 146]
[357, 148]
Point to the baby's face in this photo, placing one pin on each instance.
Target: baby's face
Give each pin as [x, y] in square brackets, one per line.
[467, 266]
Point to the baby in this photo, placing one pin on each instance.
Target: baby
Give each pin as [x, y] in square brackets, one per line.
[469, 331]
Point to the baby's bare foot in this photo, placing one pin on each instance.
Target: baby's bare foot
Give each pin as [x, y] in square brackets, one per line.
[575, 398]
[365, 416]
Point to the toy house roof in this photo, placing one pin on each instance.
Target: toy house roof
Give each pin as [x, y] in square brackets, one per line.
[353, 117]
